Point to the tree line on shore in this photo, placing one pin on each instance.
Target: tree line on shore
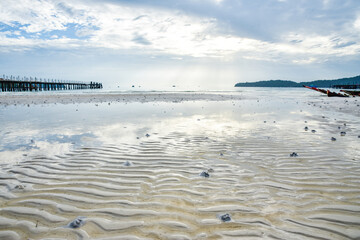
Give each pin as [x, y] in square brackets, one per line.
[287, 83]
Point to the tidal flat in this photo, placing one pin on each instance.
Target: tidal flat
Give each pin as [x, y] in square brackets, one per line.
[132, 166]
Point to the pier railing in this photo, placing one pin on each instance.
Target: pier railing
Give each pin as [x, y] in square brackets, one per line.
[15, 84]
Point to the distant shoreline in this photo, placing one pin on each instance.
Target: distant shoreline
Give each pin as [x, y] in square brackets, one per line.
[288, 83]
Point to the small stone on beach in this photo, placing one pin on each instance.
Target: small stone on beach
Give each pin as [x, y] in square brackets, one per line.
[127, 163]
[342, 133]
[78, 222]
[20, 186]
[147, 135]
[313, 131]
[306, 128]
[204, 174]
[333, 139]
[225, 217]
[294, 154]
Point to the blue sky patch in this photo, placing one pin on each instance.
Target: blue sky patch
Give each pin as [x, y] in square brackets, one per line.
[73, 31]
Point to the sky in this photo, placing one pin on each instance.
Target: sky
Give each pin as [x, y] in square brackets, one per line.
[192, 44]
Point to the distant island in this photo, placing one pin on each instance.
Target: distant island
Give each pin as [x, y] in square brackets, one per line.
[288, 83]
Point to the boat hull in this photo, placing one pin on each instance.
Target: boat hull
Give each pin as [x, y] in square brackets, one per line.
[353, 93]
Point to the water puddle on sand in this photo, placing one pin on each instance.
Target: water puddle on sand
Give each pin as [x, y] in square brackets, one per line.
[134, 171]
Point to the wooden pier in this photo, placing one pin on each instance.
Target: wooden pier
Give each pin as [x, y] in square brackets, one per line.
[30, 84]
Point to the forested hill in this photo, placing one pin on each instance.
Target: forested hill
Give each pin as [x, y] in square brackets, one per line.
[288, 83]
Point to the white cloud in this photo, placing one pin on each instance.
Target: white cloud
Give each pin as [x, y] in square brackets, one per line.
[357, 24]
[155, 31]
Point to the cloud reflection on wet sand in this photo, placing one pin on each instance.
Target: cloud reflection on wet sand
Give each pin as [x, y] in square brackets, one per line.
[160, 193]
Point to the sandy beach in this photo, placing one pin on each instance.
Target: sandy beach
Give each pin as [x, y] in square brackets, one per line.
[251, 164]
[87, 97]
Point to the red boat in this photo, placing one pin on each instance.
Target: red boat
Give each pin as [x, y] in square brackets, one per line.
[327, 92]
[316, 89]
[335, 94]
[353, 93]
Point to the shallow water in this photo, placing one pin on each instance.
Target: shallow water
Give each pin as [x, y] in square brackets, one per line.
[60, 162]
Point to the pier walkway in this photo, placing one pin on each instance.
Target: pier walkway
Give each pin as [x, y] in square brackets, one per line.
[21, 85]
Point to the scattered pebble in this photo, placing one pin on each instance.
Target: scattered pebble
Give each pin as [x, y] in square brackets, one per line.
[313, 131]
[20, 186]
[225, 217]
[333, 139]
[221, 154]
[294, 154]
[204, 174]
[210, 170]
[342, 133]
[78, 222]
[306, 128]
[127, 163]
[147, 135]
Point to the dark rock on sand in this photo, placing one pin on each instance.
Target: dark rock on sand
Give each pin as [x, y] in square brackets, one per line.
[294, 154]
[127, 163]
[20, 186]
[225, 218]
[204, 174]
[78, 222]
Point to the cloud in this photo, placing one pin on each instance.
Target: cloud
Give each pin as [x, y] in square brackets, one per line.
[164, 29]
[141, 40]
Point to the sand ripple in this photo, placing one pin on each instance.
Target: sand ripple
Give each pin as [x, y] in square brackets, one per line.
[162, 196]
[152, 189]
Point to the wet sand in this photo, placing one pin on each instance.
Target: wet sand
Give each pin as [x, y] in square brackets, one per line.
[99, 97]
[137, 175]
